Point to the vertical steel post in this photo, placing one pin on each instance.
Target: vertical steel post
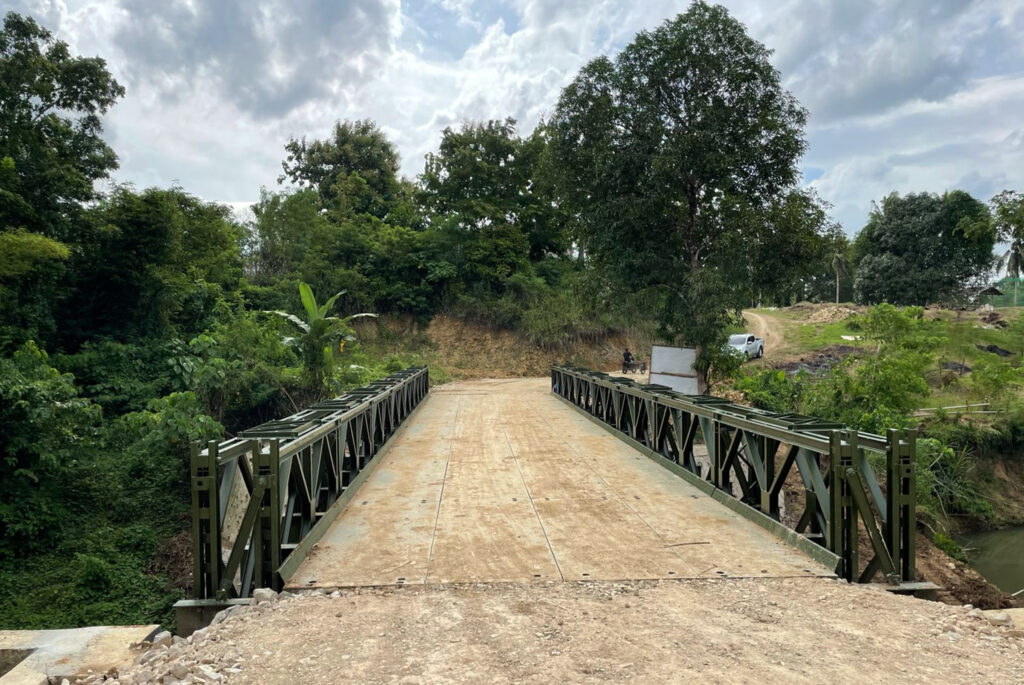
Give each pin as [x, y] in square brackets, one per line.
[206, 530]
[718, 466]
[197, 476]
[261, 481]
[842, 526]
[270, 518]
[901, 524]
[767, 447]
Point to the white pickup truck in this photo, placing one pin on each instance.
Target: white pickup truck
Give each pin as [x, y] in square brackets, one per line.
[747, 344]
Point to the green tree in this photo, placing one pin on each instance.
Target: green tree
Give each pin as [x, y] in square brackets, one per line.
[356, 151]
[837, 261]
[878, 391]
[657, 151]
[832, 277]
[44, 425]
[30, 267]
[922, 248]
[289, 230]
[1008, 214]
[787, 242]
[50, 145]
[893, 327]
[150, 264]
[485, 178]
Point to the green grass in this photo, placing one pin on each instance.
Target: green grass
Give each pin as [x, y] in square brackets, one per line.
[812, 336]
[958, 333]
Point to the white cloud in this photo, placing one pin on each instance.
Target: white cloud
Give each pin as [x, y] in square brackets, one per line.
[907, 95]
[969, 140]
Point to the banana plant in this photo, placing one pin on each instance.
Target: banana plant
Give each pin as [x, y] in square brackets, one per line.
[322, 337]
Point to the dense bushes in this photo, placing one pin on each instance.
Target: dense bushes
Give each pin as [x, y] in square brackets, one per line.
[84, 502]
[880, 386]
[43, 424]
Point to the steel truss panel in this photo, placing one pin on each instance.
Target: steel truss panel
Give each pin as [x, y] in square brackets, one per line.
[751, 453]
[259, 500]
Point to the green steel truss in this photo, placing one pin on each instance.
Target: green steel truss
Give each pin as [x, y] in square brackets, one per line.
[257, 498]
[751, 455]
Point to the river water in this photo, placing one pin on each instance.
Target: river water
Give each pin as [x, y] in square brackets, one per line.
[999, 556]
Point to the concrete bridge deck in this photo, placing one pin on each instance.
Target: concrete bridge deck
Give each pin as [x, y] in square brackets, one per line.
[498, 480]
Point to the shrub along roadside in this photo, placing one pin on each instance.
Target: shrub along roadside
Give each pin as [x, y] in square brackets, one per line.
[880, 388]
[88, 500]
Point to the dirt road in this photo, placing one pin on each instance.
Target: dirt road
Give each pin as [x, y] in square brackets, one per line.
[769, 328]
[798, 630]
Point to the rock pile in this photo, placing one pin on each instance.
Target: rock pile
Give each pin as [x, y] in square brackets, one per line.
[986, 625]
[831, 314]
[173, 660]
[990, 317]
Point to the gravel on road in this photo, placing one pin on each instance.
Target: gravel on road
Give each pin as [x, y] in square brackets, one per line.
[788, 630]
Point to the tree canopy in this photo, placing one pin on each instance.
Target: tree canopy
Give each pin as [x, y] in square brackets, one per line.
[659, 151]
[923, 248]
[357, 162]
[1008, 216]
[50, 145]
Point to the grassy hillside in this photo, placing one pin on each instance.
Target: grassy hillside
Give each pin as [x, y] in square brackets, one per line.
[967, 357]
[807, 329]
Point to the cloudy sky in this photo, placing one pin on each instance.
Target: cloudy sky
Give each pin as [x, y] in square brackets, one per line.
[904, 95]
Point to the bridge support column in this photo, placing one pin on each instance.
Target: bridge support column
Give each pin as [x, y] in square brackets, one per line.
[268, 532]
[206, 529]
[842, 524]
[900, 524]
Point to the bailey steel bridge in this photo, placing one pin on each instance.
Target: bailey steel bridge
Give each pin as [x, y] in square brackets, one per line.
[582, 476]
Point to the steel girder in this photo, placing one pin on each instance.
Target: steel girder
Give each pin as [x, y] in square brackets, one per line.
[255, 498]
[751, 453]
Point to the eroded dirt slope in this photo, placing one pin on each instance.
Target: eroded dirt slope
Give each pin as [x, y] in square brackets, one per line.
[466, 350]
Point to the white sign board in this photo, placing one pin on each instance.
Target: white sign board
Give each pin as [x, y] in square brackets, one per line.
[673, 368]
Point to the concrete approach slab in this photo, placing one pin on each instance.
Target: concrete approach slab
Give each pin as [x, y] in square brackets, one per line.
[35, 656]
[500, 481]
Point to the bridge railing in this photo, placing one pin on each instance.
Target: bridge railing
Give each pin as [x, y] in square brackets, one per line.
[261, 500]
[751, 456]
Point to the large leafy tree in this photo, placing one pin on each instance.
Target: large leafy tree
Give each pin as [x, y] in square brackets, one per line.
[51, 154]
[1008, 213]
[484, 177]
[356, 165]
[922, 248]
[50, 144]
[150, 264]
[489, 202]
[788, 242]
[290, 232]
[656, 153]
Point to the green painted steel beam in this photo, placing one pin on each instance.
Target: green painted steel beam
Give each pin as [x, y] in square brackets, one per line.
[787, 535]
[285, 465]
[742, 445]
